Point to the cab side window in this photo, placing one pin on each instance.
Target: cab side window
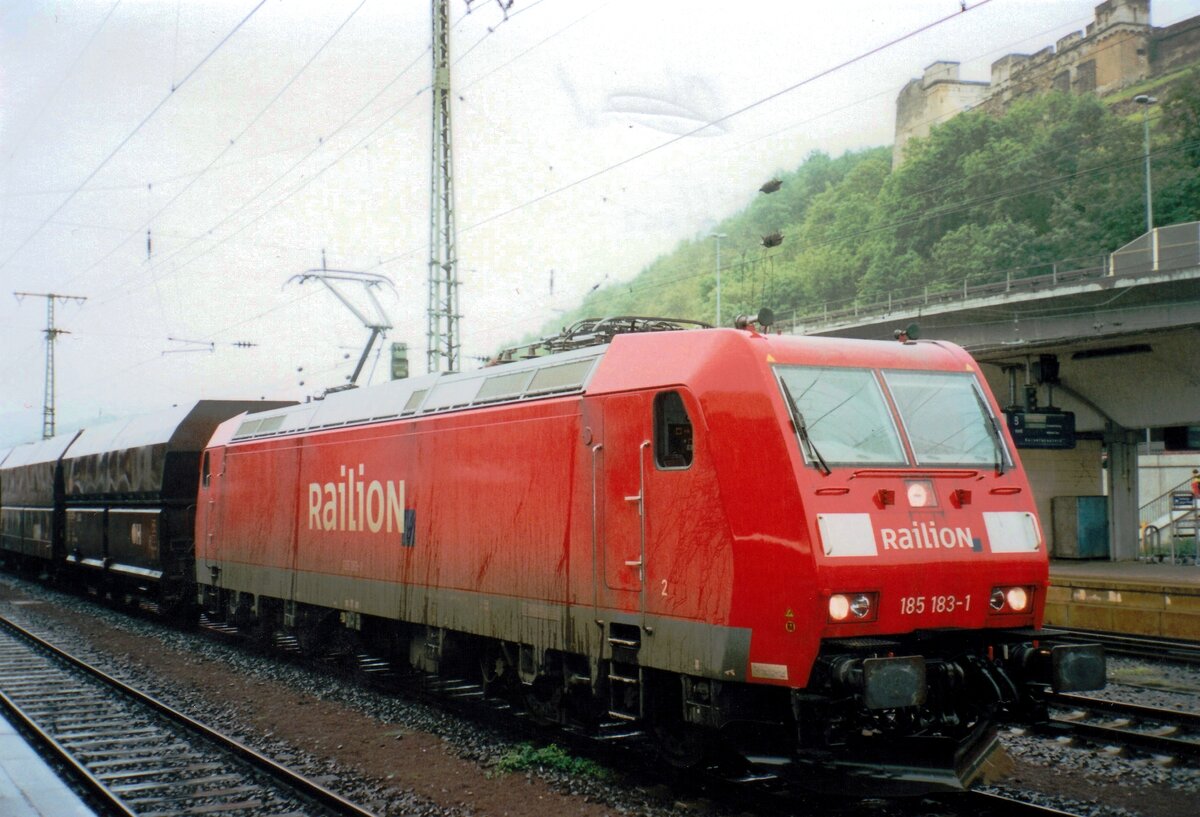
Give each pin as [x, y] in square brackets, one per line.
[672, 432]
[205, 472]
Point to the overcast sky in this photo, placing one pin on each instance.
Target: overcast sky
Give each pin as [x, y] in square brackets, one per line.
[307, 129]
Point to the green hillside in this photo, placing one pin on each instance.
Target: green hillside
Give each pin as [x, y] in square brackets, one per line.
[1058, 177]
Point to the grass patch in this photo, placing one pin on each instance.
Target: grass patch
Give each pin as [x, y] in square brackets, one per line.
[527, 757]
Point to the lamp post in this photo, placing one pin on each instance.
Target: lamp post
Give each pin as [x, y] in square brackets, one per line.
[718, 237]
[1145, 100]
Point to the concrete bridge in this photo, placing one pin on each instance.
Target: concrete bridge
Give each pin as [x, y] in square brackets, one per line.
[1115, 340]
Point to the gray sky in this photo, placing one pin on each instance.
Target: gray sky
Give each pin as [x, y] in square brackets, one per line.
[242, 190]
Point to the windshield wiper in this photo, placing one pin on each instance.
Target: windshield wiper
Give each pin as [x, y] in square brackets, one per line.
[810, 449]
[993, 431]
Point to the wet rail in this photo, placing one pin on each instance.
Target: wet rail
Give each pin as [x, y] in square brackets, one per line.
[1165, 732]
[135, 755]
[1163, 649]
[986, 804]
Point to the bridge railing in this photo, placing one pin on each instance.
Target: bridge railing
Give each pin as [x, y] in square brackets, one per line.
[1166, 248]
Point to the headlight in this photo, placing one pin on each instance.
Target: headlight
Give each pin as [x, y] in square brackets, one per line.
[839, 607]
[1017, 598]
[853, 606]
[1010, 599]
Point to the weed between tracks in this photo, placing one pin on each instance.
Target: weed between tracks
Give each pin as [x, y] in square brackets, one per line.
[526, 757]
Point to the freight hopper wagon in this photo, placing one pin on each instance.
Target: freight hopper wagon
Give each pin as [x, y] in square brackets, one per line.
[119, 499]
[810, 552]
[31, 500]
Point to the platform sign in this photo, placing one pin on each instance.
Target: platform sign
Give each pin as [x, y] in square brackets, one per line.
[1182, 501]
[1048, 429]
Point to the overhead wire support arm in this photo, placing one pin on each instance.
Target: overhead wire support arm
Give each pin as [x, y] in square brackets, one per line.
[370, 281]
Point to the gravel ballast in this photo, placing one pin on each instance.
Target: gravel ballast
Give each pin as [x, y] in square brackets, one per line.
[396, 755]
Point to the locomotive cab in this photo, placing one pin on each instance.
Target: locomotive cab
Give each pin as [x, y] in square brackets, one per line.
[930, 564]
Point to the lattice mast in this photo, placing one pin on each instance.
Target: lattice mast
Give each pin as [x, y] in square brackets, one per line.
[52, 333]
[442, 337]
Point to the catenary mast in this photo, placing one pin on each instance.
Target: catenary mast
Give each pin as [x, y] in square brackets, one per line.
[442, 338]
[52, 333]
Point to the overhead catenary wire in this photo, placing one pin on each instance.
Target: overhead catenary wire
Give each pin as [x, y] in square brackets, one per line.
[719, 120]
[754, 266]
[19, 142]
[324, 142]
[307, 181]
[131, 134]
[200, 239]
[950, 210]
[320, 145]
[137, 231]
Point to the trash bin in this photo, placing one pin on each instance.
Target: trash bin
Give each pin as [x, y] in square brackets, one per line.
[1080, 527]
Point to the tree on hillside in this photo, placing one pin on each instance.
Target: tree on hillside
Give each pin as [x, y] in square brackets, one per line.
[1056, 177]
[1177, 158]
[817, 210]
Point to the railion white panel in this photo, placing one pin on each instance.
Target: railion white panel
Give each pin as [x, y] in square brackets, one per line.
[1012, 532]
[847, 534]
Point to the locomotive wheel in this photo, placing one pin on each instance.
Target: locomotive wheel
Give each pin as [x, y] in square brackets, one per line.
[681, 745]
[493, 669]
[544, 699]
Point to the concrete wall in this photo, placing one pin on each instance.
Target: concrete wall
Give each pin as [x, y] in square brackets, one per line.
[1076, 472]
[1159, 473]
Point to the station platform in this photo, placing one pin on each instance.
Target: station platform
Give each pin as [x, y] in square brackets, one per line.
[1139, 598]
[29, 787]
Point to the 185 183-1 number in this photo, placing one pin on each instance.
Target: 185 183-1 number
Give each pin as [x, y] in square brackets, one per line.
[916, 605]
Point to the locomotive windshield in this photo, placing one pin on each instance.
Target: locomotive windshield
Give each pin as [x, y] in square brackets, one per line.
[846, 419]
[946, 418]
[845, 414]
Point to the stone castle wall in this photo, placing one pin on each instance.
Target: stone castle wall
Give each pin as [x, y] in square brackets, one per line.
[1118, 49]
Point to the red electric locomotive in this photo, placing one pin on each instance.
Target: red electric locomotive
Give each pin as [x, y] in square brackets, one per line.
[813, 551]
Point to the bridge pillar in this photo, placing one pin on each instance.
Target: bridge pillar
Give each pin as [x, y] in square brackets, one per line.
[1122, 445]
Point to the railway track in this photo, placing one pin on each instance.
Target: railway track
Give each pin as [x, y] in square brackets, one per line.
[1163, 732]
[758, 790]
[136, 756]
[980, 803]
[762, 788]
[1161, 649]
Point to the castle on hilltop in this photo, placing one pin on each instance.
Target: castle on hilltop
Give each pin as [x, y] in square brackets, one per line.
[1118, 49]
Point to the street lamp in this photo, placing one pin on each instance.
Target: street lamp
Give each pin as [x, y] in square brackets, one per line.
[718, 237]
[1145, 100]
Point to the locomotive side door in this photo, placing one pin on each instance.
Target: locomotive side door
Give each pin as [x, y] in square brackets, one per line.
[622, 500]
[212, 466]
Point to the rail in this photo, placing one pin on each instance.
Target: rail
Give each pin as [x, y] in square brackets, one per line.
[136, 754]
[1166, 732]
[1162, 649]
